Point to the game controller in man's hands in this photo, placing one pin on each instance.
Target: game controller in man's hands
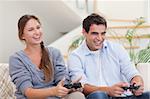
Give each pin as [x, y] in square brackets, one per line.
[132, 87]
[74, 85]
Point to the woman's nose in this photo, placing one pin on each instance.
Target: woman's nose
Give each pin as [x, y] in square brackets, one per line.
[37, 32]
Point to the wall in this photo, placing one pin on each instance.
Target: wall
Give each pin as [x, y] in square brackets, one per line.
[55, 16]
[126, 10]
[9, 37]
[123, 9]
[112, 9]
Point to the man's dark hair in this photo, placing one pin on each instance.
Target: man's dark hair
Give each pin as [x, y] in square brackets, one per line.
[93, 19]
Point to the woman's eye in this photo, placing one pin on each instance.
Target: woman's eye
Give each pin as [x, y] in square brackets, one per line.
[30, 29]
[38, 27]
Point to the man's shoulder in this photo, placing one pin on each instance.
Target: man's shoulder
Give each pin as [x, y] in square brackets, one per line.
[112, 44]
[78, 50]
[77, 53]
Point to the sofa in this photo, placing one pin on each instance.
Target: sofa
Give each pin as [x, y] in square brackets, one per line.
[7, 88]
[144, 69]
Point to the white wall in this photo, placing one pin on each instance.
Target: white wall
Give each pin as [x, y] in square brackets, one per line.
[123, 9]
[113, 9]
[126, 10]
[54, 19]
[67, 40]
[11, 12]
[54, 15]
[148, 11]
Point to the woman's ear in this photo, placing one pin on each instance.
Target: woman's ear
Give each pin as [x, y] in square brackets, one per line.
[22, 37]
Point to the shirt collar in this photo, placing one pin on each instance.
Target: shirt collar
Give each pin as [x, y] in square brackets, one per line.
[87, 51]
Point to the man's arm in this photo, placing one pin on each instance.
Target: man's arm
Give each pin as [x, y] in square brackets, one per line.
[91, 88]
[115, 90]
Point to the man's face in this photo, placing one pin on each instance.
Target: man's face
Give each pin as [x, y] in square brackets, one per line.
[95, 37]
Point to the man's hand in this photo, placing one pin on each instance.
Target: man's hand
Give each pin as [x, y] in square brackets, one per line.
[138, 82]
[117, 90]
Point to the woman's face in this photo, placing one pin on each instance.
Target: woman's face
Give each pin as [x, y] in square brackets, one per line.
[32, 33]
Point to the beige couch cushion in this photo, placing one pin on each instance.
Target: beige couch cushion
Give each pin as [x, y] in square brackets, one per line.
[7, 88]
[144, 69]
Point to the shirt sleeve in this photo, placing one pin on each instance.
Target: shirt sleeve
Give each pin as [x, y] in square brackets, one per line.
[19, 74]
[76, 68]
[127, 67]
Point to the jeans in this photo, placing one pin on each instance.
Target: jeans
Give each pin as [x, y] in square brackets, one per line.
[103, 95]
[97, 95]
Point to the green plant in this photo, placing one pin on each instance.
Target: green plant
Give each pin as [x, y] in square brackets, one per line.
[76, 43]
[130, 35]
[143, 56]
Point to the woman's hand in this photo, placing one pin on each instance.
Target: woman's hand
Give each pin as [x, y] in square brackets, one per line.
[59, 90]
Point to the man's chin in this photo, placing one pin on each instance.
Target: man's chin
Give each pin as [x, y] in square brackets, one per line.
[97, 48]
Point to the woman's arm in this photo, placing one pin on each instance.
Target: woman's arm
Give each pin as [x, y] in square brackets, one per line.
[59, 65]
[58, 90]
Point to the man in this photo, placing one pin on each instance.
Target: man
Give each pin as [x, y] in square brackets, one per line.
[105, 67]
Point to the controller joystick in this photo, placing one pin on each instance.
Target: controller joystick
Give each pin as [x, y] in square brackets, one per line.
[74, 85]
[131, 87]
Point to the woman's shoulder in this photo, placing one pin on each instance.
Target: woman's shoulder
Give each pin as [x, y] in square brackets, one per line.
[16, 54]
[53, 49]
[16, 58]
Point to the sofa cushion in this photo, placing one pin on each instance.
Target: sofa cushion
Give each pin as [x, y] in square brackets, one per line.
[7, 88]
[144, 69]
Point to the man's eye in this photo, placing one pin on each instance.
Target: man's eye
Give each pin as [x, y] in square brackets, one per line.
[103, 33]
[94, 33]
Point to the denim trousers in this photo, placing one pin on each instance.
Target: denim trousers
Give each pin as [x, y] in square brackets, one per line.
[103, 95]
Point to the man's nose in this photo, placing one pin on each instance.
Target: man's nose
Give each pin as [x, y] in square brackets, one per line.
[99, 36]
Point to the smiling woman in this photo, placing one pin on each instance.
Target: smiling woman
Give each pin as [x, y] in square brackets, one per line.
[38, 71]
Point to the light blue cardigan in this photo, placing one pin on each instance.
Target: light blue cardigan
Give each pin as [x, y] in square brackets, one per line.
[24, 73]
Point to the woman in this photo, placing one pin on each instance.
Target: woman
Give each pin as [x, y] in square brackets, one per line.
[38, 71]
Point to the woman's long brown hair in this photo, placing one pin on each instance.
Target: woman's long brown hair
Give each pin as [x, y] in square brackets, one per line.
[45, 63]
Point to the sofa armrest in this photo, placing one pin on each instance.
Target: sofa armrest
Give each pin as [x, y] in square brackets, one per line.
[144, 69]
[7, 88]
